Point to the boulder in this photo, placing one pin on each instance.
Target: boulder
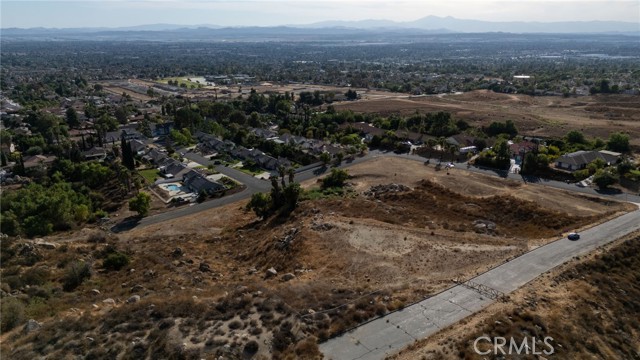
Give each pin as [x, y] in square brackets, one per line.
[133, 299]
[109, 301]
[95, 292]
[137, 288]
[271, 272]
[288, 276]
[31, 326]
[47, 245]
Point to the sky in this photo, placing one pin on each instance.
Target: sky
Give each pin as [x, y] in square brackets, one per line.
[119, 13]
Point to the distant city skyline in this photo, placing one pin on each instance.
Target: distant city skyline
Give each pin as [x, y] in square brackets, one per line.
[122, 13]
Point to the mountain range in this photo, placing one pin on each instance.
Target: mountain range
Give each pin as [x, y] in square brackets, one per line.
[429, 24]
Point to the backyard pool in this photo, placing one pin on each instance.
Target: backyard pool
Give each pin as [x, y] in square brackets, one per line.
[173, 187]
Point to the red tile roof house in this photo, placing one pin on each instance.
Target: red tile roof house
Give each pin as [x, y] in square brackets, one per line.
[519, 150]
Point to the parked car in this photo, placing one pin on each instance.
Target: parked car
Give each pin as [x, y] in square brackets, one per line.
[573, 236]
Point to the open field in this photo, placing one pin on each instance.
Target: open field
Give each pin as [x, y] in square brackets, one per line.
[134, 95]
[339, 261]
[572, 304]
[538, 116]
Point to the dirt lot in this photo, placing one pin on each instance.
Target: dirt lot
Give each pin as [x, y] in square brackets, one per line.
[573, 304]
[339, 261]
[542, 116]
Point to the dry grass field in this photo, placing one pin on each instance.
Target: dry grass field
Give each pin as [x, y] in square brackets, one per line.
[203, 281]
[536, 116]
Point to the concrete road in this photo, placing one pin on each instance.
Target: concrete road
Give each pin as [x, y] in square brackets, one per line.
[387, 335]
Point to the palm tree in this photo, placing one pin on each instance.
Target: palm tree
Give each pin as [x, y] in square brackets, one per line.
[282, 171]
[442, 143]
[452, 150]
[431, 143]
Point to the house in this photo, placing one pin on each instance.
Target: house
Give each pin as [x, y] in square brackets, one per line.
[138, 147]
[164, 129]
[210, 143]
[519, 150]
[154, 156]
[95, 153]
[368, 131]
[38, 161]
[264, 133]
[580, 159]
[414, 137]
[198, 183]
[171, 168]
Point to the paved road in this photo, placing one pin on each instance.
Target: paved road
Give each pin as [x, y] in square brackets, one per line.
[309, 172]
[387, 335]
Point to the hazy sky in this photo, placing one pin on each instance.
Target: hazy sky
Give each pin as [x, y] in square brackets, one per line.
[115, 13]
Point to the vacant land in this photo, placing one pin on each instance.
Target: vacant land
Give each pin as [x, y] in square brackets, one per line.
[573, 304]
[222, 283]
[536, 116]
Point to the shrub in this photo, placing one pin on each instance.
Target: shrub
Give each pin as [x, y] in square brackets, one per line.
[11, 314]
[251, 347]
[35, 276]
[337, 178]
[115, 261]
[75, 273]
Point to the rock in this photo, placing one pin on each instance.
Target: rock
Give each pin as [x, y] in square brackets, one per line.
[377, 190]
[47, 245]
[31, 326]
[95, 292]
[321, 226]
[271, 272]
[109, 301]
[204, 267]
[311, 311]
[253, 271]
[288, 276]
[177, 252]
[149, 273]
[133, 299]
[137, 288]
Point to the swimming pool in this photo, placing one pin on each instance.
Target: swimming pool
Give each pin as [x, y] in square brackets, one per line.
[172, 187]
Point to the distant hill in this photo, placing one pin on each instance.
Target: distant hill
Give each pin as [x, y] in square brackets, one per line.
[473, 26]
[426, 25]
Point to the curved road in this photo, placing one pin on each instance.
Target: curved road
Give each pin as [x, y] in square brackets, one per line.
[311, 171]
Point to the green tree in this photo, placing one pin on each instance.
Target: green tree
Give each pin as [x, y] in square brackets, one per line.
[618, 142]
[121, 115]
[336, 178]
[141, 204]
[72, 118]
[575, 137]
[325, 157]
[604, 178]
[128, 159]
[261, 205]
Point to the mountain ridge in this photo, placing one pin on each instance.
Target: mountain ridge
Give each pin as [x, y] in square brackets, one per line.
[429, 23]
